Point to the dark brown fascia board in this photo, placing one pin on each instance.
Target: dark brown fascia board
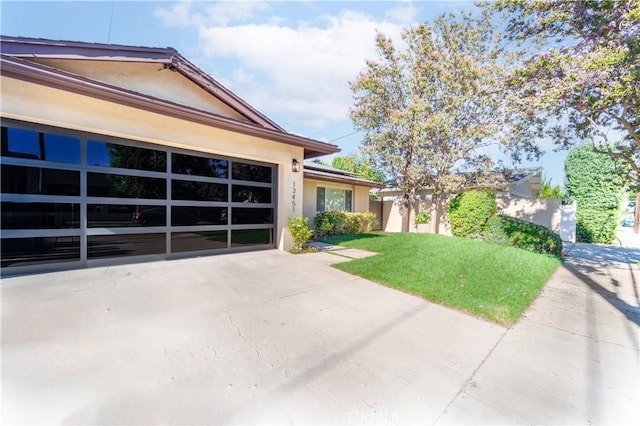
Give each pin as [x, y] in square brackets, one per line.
[26, 48]
[44, 48]
[202, 79]
[326, 176]
[51, 77]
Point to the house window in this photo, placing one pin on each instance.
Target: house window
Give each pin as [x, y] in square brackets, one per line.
[333, 199]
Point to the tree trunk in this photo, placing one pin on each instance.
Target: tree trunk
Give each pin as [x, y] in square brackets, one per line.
[435, 207]
[406, 216]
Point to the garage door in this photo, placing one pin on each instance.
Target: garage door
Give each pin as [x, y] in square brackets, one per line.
[71, 200]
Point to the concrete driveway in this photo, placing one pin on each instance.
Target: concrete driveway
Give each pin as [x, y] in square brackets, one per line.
[268, 337]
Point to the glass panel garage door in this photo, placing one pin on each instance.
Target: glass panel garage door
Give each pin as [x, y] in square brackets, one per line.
[72, 200]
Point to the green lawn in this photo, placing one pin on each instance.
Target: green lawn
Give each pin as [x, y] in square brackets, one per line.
[488, 280]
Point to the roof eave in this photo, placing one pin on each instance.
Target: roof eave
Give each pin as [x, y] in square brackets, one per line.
[46, 76]
[311, 174]
[26, 48]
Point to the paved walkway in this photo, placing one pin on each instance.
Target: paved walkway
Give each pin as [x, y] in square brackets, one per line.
[268, 337]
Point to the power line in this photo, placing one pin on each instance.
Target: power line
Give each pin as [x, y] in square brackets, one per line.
[113, 3]
[342, 137]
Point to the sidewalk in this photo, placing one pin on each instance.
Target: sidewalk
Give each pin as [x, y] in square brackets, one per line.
[329, 254]
[573, 358]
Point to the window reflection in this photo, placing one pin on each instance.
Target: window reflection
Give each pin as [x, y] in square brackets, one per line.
[101, 246]
[126, 157]
[194, 241]
[251, 172]
[123, 186]
[19, 143]
[38, 250]
[40, 215]
[117, 216]
[246, 216]
[191, 216]
[38, 180]
[199, 166]
[250, 194]
[250, 237]
[198, 191]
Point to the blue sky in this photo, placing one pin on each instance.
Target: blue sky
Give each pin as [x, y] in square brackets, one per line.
[292, 60]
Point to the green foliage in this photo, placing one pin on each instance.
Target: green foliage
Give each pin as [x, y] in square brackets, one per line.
[341, 223]
[430, 103]
[359, 165]
[422, 218]
[497, 283]
[594, 181]
[300, 232]
[329, 223]
[470, 211]
[581, 68]
[550, 191]
[596, 225]
[509, 231]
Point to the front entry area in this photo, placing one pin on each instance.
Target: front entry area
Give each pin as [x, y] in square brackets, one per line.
[74, 199]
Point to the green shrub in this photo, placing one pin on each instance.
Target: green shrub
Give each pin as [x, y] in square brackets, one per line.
[422, 218]
[358, 223]
[509, 231]
[598, 184]
[300, 232]
[596, 225]
[339, 223]
[470, 211]
[329, 223]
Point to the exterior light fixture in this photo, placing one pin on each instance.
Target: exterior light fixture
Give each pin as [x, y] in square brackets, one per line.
[295, 166]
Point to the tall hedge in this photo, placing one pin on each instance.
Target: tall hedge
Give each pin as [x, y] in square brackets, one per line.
[597, 183]
[470, 211]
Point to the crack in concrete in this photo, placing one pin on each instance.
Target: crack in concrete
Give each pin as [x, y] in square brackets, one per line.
[470, 381]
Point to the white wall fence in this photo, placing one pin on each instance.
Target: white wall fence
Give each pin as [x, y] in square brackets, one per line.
[548, 212]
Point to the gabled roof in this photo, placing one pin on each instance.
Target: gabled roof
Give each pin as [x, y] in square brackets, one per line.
[18, 54]
[322, 172]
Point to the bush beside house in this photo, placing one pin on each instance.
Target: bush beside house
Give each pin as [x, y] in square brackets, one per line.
[469, 212]
[300, 232]
[340, 223]
[472, 215]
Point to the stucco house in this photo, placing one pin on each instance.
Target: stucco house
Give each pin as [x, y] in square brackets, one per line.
[517, 198]
[327, 188]
[114, 154]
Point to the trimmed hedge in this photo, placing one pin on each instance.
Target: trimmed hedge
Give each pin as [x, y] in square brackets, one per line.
[339, 223]
[509, 231]
[596, 225]
[598, 184]
[470, 211]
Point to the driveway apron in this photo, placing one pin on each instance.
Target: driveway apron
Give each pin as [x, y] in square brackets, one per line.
[269, 337]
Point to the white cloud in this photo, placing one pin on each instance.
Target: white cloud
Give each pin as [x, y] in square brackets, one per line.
[300, 73]
[223, 13]
[182, 14]
[405, 14]
[178, 15]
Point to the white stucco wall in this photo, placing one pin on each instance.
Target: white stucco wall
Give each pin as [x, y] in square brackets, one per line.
[149, 79]
[542, 211]
[360, 196]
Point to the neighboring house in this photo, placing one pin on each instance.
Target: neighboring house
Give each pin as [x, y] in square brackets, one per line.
[114, 154]
[518, 199]
[326, 188]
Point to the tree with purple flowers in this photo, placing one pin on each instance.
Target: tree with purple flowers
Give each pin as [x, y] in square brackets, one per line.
[585, 85]
[428, 108]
